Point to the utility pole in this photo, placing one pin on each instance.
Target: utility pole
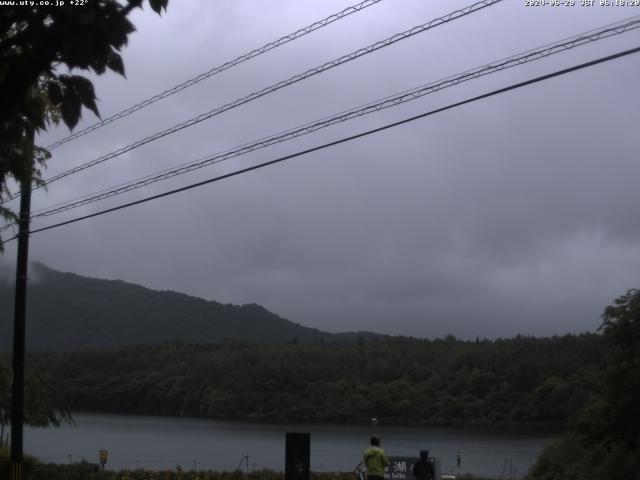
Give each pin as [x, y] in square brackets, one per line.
[17, 389]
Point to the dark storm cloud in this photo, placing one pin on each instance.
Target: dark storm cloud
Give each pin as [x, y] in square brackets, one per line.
[510, 215]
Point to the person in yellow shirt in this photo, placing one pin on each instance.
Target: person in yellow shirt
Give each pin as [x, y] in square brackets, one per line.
[375, 460]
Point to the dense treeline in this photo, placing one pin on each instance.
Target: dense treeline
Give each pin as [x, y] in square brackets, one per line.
[520, 381]
[603, 443]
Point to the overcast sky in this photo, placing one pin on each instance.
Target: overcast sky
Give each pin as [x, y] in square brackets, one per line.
[514, 214]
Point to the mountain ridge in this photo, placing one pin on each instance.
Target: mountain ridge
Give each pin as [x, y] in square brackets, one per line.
[69, 311]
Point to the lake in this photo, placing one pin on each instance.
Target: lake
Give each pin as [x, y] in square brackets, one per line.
[163, 442]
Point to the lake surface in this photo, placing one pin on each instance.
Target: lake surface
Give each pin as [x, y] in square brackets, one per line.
[162, 443]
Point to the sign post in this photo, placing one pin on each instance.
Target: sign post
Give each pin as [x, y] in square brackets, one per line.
[103, 458]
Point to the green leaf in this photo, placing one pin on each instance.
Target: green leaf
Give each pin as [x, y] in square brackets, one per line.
[99, 60]
[135, 3]
[34, 111]
[117, 31]
[114, 62]
[42, 154]
[85, 91]
[85, 16]
[38, 120]
[55, 92]
[77, 51]
[70, 108]
[98, 67]
[159, 5]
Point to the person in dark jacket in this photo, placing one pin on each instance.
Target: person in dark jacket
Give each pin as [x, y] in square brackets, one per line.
[423, 468]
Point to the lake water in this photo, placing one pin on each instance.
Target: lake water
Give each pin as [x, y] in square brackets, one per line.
[162, 443]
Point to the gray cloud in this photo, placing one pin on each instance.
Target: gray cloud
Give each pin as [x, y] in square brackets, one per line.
[511, 215]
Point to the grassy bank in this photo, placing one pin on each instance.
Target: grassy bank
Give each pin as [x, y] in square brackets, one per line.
[87, 471]
[40, 471]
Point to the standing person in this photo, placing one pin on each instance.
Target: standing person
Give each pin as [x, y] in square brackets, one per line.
[423, 468]
[375, 460]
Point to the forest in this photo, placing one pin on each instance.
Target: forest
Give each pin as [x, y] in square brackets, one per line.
[602, 442]
[519, 381]
[587, 384]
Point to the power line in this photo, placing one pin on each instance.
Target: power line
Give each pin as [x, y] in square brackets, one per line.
[277, 86]
[346, 139]
[391, 101]
[220, 68]
[546, 50]
[498, 65]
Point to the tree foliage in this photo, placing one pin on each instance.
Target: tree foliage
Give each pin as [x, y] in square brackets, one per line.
[604, 441]
[44, 404]
[40, 48]
[520, 381]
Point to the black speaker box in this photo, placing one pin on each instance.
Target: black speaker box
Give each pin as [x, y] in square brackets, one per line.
[297, 456]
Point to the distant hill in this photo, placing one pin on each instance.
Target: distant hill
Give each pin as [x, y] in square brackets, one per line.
[67, 311]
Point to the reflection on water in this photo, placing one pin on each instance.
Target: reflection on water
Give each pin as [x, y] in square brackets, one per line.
[163, 443]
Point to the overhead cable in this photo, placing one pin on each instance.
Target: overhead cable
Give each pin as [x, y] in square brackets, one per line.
[220, 68]
[391, 101]
[345, 139]
[277, 86]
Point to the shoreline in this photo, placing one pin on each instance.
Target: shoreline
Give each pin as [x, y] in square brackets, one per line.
[549, 428]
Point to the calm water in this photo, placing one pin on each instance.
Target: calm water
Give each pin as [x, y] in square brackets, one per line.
[162, 443]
